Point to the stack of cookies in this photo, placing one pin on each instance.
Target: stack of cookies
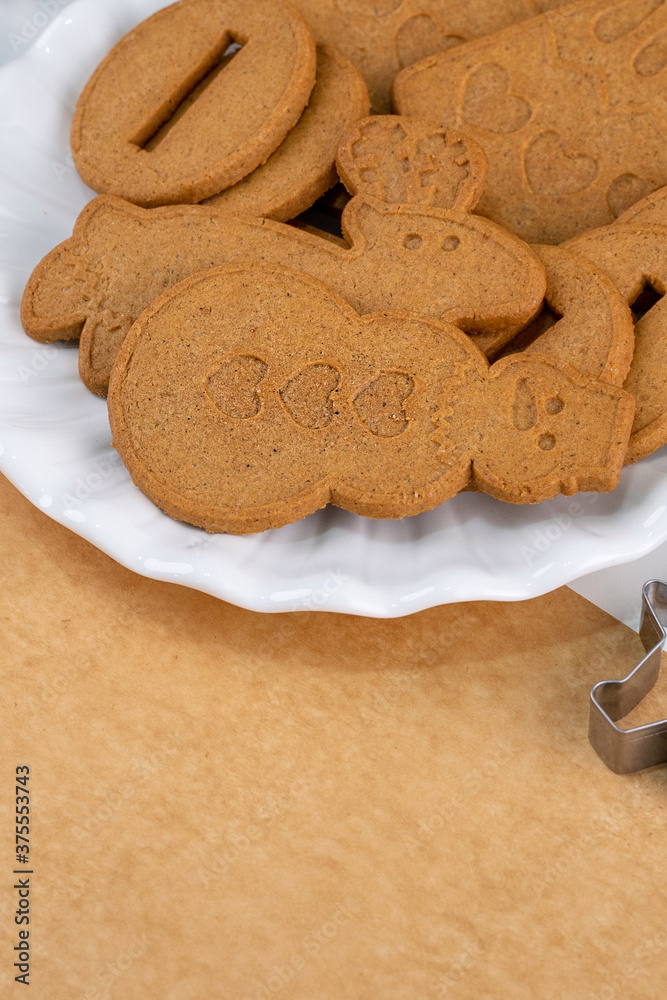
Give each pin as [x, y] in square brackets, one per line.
[481, 307]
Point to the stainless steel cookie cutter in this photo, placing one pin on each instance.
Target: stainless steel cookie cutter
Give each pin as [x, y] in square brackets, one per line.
[627, 750]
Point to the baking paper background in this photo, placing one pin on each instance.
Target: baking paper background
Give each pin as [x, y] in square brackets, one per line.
[230, 806]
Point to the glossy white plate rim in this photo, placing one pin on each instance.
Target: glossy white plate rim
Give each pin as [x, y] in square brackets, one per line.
[55, 440]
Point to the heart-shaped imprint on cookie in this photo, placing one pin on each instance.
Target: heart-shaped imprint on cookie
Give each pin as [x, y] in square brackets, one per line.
[625, 191]
[419, 37]
[418, 414]
[307, 396]
[623, 19]
[653, 57]
[552, 170]
[379, 405]
[489, 103]
[232, 386]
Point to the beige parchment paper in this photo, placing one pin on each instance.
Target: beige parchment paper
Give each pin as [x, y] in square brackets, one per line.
[230, 806]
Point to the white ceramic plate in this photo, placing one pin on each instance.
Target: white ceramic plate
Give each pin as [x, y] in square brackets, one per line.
[55, 439]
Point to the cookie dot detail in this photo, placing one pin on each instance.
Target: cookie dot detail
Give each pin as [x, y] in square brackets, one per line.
[451, 243]
[554, 406]
[412, 241]
[547, 442]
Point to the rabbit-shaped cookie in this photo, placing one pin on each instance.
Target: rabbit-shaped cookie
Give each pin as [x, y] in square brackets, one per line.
[249, 396]
[425, 254]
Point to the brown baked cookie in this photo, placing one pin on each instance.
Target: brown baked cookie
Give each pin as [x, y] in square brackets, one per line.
[383, 36]
[635, 258]
[303, 167]
[585, 321]
[570, 108]
[403, 161]
[193, 99]
[650, 211]
[394, 160]
[435, 262]
[247, 418]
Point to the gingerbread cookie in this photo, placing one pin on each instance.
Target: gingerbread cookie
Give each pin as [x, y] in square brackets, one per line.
[382, 36]
[304, 165]
[249, 418]
[193, 99]
[650, 211]
[635, 258]
[440, 262]
[585, 321]
[402, 161]
[569, 107]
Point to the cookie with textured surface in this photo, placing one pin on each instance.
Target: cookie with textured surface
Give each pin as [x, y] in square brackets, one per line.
[382, 36]
[635, 258]
[585, 320]
[245, 419]
[193, 99]
[435, 261]
[303, 167]
[570, 108]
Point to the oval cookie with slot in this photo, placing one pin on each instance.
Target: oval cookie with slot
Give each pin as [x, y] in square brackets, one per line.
[193, 99]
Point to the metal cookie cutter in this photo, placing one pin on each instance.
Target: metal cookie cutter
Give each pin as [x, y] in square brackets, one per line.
[627, 750]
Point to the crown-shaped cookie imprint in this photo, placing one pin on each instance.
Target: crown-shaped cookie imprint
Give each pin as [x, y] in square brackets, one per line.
[404, 161]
